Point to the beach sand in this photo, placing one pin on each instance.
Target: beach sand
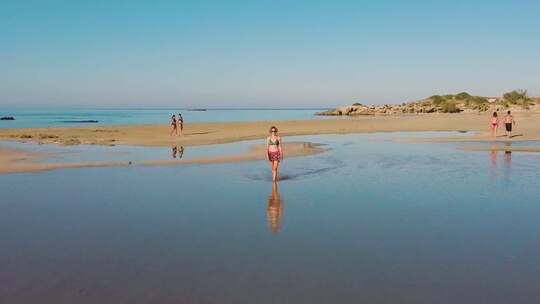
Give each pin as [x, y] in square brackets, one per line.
[527, 128]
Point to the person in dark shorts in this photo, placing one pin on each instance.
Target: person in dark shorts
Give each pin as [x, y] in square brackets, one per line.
[180, 123]
[509, 122]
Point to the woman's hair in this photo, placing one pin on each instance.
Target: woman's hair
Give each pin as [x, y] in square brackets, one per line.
[508, 112]
[271, 128]
[494, 114]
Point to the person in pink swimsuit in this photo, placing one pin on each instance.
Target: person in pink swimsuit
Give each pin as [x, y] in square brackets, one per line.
[274, 152]
[494, 123]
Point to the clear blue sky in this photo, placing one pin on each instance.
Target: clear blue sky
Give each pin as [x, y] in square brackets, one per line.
[263, 53]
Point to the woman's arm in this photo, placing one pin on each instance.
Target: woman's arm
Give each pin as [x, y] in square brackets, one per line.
[280, 149]
[267, 146]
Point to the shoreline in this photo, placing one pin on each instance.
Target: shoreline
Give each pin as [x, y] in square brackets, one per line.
[527, 129]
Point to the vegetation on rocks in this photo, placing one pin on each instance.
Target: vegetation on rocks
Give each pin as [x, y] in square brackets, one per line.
[518, 97]
[450, 103]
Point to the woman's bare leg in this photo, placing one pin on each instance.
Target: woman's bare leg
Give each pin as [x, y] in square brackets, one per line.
[275, 165]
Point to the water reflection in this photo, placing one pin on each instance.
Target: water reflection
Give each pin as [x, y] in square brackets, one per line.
[177, 152]
[493, 157]
[493, 152]
[507, 162]
[508, 157]
[274, 209]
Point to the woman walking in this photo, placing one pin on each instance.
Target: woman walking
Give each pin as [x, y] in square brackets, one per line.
[494, 122]
[274, 151]
[180, 123]
[174, 128]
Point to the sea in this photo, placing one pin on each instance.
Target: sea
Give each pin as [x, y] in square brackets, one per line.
[65, 116]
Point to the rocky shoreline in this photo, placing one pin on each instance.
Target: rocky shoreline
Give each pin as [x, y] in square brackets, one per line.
[516, 101]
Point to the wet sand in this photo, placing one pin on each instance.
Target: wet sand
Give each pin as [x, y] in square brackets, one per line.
[18, 160]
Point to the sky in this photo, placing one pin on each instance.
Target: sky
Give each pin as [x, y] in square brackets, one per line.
[263, 53]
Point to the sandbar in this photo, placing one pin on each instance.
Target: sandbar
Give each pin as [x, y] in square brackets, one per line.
[22, 160]
[527, 128]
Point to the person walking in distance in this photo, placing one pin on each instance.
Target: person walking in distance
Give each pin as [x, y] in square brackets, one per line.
[180, 123]
[494, 123]
[509, 122]
[174, 127]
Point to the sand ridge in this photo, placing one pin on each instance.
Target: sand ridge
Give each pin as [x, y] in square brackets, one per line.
[19, 160]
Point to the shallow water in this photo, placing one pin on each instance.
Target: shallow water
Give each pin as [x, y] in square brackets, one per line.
[370, 221]
[96, 153]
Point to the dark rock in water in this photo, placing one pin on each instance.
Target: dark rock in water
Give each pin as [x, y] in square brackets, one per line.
[80, 121]
[7, 118]
[199, 110]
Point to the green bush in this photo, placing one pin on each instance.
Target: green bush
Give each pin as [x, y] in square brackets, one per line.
[525, 103]
[462, 96]
[516, 96]
[450, 107]
[477, 100]
[437, 99]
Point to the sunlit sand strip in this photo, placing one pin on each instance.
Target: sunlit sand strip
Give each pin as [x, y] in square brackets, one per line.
[17, 160]
[527, 128]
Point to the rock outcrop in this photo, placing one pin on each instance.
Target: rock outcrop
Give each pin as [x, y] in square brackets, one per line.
[462, 102]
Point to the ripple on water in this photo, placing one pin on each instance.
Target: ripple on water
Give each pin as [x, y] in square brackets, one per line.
[293, 174]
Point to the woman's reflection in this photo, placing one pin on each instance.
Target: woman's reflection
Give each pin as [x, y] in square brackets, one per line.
[493, 157]
[274, 210]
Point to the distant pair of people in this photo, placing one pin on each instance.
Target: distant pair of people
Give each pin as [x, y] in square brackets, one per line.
[177, 125]
[509, 123]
